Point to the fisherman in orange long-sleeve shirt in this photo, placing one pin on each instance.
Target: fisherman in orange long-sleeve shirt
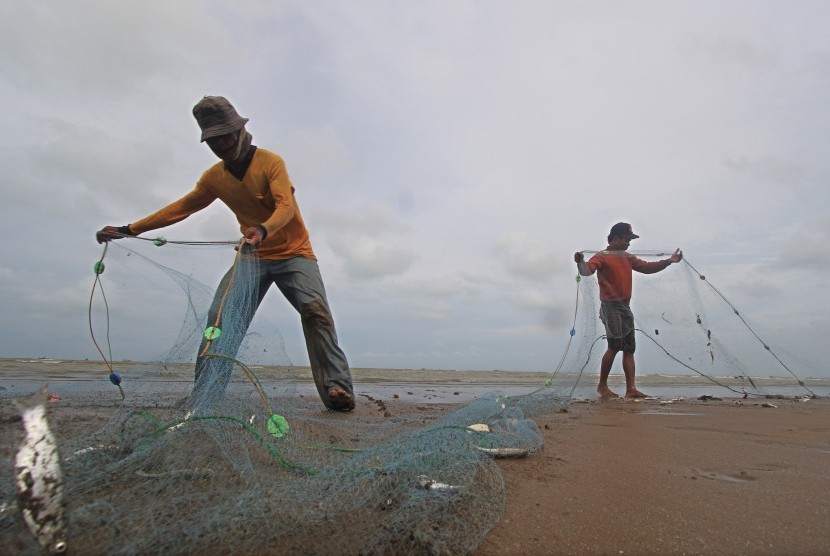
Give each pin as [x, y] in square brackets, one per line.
[614, 268]
[254, 184]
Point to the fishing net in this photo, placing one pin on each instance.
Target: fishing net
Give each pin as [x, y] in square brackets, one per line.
[685, 325]
[241, 461]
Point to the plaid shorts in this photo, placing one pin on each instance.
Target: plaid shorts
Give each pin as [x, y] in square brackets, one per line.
[619, 325]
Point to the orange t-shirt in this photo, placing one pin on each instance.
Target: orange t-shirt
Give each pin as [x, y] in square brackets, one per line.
[263, 196]
[614, 273]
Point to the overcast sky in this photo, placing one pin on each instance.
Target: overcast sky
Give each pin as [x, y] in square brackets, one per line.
[449, 157]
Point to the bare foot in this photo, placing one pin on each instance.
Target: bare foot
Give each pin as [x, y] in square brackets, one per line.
[635, 394]
[339, 399]
[606, 393]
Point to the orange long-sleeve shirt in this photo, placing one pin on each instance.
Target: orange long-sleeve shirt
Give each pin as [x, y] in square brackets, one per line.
[614, 273]
[263, 196]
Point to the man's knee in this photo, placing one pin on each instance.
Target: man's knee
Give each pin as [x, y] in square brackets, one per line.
[316, 315]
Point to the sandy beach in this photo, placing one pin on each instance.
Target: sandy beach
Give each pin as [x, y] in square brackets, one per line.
[714, 477]
[669, 475]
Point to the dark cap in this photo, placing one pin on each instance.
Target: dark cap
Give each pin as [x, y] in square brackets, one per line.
[622, 230]
[216, 116]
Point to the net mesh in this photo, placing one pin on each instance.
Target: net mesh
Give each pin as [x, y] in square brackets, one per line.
[685, 325]
[241, 462]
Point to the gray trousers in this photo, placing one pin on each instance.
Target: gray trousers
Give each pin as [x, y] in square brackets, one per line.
[300, 282]
[619, 326]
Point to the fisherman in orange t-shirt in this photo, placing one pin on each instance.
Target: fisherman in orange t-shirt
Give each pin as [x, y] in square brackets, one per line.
[614, 268]
[254, 184]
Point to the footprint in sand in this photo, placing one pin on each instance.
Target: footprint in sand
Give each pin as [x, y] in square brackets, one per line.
[741, 477]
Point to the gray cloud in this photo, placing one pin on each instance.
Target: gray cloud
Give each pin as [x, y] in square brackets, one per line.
[803, 248]
[449, 158]
[768, 168]
[528, 258]
[107, 48]
[364, 257]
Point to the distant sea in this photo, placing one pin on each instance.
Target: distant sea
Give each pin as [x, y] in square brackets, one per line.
[90, 380]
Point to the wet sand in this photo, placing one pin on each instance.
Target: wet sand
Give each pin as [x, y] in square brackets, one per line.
[722, 477]
[659, 476]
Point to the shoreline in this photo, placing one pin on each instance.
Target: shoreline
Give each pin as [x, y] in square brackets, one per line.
[20, 377]
[48, 367]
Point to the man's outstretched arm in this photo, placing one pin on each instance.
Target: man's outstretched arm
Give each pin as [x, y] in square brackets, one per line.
[581, 266]
[650, 268]
[176, 211]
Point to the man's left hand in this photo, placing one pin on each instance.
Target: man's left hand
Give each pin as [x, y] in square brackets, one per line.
[253, 235]
[677, 256]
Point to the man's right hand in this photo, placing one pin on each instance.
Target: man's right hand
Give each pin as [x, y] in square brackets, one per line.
[579, 257]
[108, 233]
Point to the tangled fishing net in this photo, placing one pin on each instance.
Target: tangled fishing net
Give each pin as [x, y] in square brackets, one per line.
[243, 464]
[684, 325]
